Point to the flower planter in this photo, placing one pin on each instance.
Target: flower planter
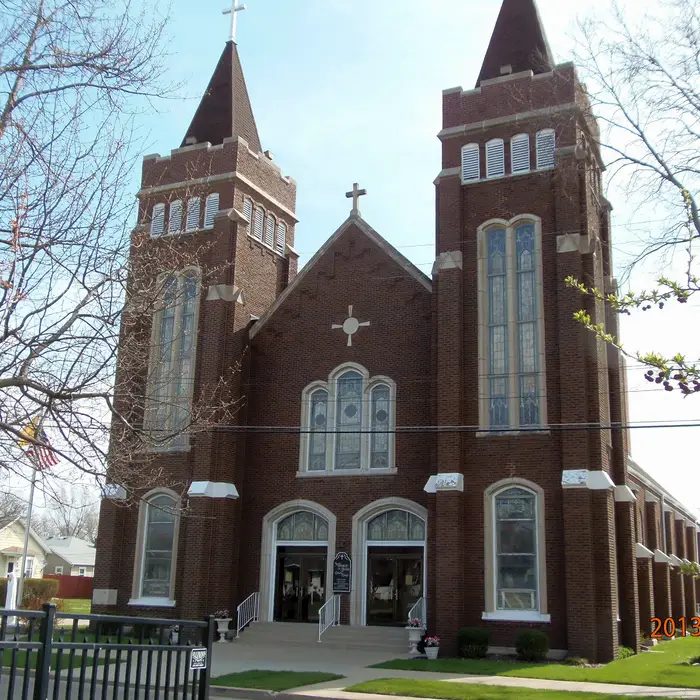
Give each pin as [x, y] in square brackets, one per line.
[415, 634]
[432, 652]
[222, 627]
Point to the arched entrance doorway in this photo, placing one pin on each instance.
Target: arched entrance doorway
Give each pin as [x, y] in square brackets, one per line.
[389, 542]
[297, 556]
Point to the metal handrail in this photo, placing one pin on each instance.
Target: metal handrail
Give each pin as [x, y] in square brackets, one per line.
[329, 615]
[248, 611]
[418, 610]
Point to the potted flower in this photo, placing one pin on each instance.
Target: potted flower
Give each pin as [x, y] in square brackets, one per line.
[222, 617]
[415, 634]
[432, 647]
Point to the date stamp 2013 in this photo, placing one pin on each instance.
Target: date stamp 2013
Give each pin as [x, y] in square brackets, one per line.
[668, 627]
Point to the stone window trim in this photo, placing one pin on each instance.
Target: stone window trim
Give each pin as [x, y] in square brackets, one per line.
[137, 600]
[482, 267]
[278, 226]
[331, 386]
[491, 611]
[268, 548]
[154, 350]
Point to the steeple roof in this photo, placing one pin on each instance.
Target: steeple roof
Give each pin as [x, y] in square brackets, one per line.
[518, 41]
[225, 110]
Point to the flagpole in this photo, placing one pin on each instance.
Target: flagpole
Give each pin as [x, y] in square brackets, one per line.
[28, 524]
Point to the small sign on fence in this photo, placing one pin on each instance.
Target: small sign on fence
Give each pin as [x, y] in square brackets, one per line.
[342, 569]
[198, 659]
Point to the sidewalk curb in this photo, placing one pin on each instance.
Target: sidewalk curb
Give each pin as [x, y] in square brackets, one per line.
[257, 694]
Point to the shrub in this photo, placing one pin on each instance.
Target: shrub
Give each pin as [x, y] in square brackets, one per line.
[37, 591]
[576, 661]
[625, 653]
[473, 642]
[532, 645]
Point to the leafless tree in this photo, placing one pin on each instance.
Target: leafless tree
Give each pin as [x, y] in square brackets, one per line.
[71, 513]
[11, 506]
[642, 72]
[74, 76]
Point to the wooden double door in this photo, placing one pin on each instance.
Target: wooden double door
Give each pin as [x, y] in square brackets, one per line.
[394, 584]
[300, 583]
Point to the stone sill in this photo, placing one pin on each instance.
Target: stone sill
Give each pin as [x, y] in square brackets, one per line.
[152, 602]
[544, 430]
[516, 616]
[182, 232]
[170, 450]
[507, 176]
[264, 246]
[347, 472]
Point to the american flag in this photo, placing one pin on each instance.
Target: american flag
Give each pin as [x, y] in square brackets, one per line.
[44, 454]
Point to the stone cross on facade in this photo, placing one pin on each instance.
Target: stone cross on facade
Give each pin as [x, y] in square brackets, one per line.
[350, 326]
[355, 194]
[233, 11]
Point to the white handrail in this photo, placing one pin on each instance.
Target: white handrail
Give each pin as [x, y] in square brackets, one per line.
[329, 615]
[248, 611]
[418, 610]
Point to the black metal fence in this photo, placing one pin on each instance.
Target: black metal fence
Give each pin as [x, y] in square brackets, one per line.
[45, 655]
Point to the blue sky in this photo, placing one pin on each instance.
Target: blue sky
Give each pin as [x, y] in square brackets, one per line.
[351, 91]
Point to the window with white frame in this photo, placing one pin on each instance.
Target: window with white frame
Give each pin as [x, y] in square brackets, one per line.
[515, 564]
[158, 539]
[194, 206]
[520, 153]
[269, 230]
[470, 162]
[29, 567]
[81, 571]
[248, 209]
[158, 219]
[546, 149]
[512, 382]
[349, 423]
[58, 570]
[171, 374]
[175, 218]
[211, 209]
[258, 223]
[495, 158]
[281, 237]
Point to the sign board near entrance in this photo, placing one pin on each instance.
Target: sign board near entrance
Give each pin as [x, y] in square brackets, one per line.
[198, 659]
[342, 570]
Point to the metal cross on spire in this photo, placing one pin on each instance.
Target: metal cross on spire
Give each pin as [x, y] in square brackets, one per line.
[233, 11]
[355, 194]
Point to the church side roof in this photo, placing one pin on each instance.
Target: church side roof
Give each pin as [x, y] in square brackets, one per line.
[381, 242]
[518, 41]
[225, 110]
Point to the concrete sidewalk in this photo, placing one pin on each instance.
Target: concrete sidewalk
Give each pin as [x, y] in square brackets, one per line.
[336, 689]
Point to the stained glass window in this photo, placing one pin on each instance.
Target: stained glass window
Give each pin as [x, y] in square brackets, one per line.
[172, 372]
[380, 426]
[527, 324]
[302, 526]
[498, 328]
[347, 420]
[396, 526]
[319, 425]
[516, 550]
[158, 545]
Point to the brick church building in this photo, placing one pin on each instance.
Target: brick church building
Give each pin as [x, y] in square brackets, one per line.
[454, 434]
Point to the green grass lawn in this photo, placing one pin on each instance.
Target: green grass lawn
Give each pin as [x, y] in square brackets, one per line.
[465, 691]
[661, 667]
[273, 680]
[21, 660]
[77, 605]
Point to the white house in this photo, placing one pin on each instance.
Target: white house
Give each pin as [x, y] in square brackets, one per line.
[12, 546]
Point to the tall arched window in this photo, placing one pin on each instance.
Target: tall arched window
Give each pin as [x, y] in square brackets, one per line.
[470, 162]
[495, 158]
[545, 142]
[171, 375]
[349, 423]
[515, 552]
[348, 419]
[155, 564]
[511, 325]
[520, 153]
[211, 209]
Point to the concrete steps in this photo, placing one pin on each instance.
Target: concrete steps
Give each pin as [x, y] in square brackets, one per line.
[380, 639]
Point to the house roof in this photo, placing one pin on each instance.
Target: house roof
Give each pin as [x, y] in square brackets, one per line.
[225, 110]
[4, 524]
[518, 41]
[75, 551]
[365, 228]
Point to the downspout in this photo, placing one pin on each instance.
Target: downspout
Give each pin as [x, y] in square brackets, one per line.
[664, 549]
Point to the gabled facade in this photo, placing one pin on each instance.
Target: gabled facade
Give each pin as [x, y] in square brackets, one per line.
[449, 435]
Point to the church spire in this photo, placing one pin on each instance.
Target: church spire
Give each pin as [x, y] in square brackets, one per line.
[225, 110]
[518, 42]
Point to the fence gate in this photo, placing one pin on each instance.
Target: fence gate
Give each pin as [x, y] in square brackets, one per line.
[45, 655]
